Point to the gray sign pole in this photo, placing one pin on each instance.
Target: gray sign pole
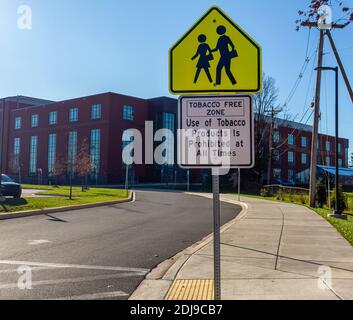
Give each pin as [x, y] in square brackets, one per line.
[239, 177]
[127, 179]
[216, 235]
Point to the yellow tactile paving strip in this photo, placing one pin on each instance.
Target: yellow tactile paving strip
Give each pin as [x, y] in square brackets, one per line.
[191, 290]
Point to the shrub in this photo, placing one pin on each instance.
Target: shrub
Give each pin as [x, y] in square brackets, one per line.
[303, 199]
[291, 198]
[280, 195]
[341, 200]
[265, 192]
[321, 193]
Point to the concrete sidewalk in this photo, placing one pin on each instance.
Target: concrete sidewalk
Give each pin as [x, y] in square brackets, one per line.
[272, 251]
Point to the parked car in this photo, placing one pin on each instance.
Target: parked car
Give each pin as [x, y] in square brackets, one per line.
[10, 188]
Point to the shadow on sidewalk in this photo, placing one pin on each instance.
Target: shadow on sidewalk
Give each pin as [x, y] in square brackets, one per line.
[289, 258]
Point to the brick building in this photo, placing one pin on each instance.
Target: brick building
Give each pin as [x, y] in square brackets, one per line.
[39, 132]
[292, 148]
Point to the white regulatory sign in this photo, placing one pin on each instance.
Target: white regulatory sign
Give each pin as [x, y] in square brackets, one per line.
[216, 131]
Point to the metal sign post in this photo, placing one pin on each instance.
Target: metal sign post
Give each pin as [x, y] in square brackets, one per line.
[239, 172]
[127, 179]
[216, 235]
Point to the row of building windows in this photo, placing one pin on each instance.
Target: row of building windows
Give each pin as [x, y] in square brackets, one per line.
[95, 147]
[96, 114]
[304, 142]
[277, 174]
[291, 157]
[304, 158]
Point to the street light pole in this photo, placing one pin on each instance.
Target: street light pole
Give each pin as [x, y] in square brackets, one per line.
[337, 213]
[2, 146]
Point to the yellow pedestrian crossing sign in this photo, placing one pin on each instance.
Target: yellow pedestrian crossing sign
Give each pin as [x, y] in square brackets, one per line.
[215, 56]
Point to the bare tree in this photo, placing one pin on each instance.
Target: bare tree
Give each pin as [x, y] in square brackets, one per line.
[265, 110]
[311, 14]
[83, 162]
[58, 169]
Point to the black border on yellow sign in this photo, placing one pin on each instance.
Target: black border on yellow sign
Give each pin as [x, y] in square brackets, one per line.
[208, 166]
[259, 56]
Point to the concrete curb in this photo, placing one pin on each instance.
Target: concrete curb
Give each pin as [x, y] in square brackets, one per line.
[157, 283]
[23, 214]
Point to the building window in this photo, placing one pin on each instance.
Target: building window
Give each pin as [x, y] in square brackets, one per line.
[96, 112]
[169, 123]
[304, 142]
[339, 148]
[290, 157]
[319, 159]
[291, 139]
[318, 144]
[95, 150]
[16, 152]
[18, 123]
[276, 137]
[304, 158]
[291, 174]
[53, 118]
[276, 155]
[33, 155]
[346, 151]
[328, 146]
[304, 177]
[128, 113]
[34, 121]
[328, 161]
[73, 115]
[51, 153]
[340, 163]
[277, 173]
[72, 149]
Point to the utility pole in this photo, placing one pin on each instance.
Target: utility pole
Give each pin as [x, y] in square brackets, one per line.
[315, 132]
[313, 169]
[269, 165]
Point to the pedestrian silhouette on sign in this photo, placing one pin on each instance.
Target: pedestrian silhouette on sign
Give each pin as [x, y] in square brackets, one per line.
[205, 54]
[224, 42]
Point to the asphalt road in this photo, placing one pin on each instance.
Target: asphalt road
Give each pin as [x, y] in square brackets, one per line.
[100, 253]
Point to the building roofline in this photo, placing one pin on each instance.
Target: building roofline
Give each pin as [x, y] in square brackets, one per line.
[27, 100]
[50, 103]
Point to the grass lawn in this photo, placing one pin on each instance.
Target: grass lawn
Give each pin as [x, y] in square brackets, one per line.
[94, 195]
[344, 227]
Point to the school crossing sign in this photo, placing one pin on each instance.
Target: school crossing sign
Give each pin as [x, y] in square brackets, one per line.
[215, 56]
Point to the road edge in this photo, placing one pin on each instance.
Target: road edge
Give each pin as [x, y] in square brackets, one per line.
[31, 213]
[157, 282]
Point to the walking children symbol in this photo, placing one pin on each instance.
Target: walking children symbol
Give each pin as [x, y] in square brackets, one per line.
[205, 55]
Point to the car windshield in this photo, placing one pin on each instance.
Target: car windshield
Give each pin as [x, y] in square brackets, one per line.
[5, 178]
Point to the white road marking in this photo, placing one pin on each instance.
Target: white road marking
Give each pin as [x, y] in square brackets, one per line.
[95, 296]
[33, 269]
[71, 280]
[37, 242]
[138, 271]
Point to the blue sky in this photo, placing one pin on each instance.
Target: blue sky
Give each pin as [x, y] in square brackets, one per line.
[81, 47]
